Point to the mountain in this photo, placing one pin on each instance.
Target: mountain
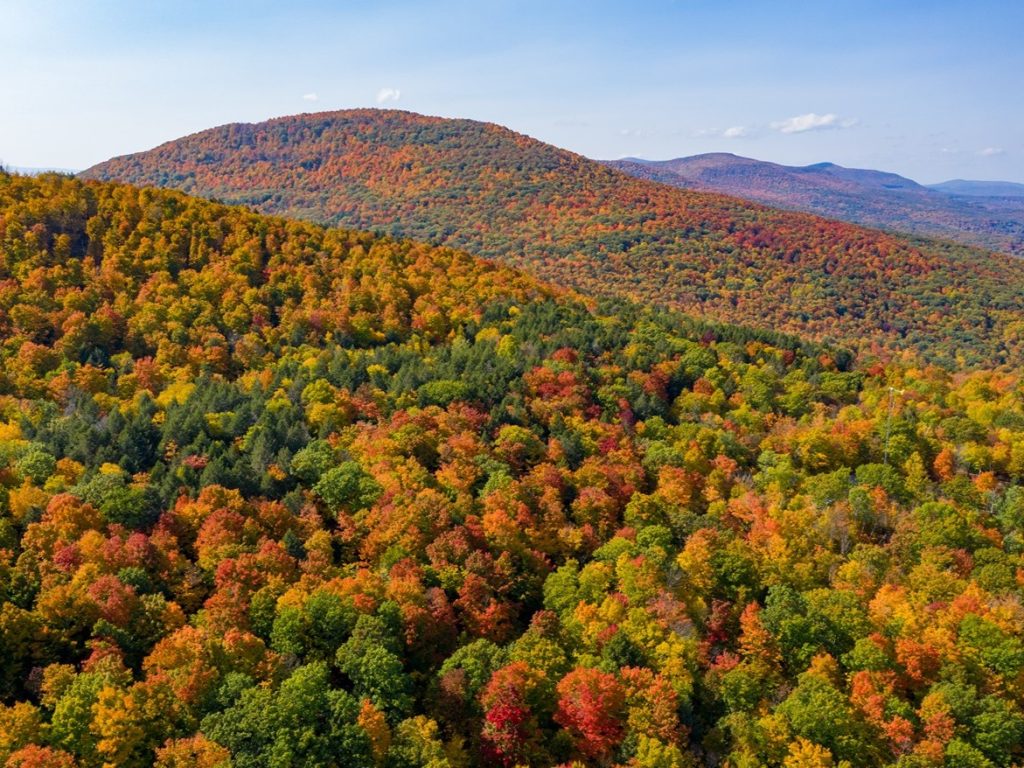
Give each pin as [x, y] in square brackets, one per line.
[281, 495]
[980, 188]
[985, 214]
[34, 171]
[575, 222]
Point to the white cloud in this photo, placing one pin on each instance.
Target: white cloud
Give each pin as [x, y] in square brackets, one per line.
[991, 151]
[388, 94]
[735, 132]
[309, 97]
[812, 122]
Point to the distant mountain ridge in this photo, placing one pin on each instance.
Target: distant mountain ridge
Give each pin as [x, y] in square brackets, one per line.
[35, 171]
[986, 214]
[575, 222]
[980, 188]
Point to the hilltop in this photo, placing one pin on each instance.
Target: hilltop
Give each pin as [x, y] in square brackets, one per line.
[573, 221]
[985, 214]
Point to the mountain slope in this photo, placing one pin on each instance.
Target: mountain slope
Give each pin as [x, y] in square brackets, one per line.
[280, 495]
[573, 221]
[985, 214]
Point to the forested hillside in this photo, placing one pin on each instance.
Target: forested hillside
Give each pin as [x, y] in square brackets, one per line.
[574, 222]
[274, 495]
[990, 218]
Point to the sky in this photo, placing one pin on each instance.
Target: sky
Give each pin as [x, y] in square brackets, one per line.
[929, 89]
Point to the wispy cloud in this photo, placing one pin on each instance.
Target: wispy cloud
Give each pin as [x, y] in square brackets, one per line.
[991, 151]
[797, 124]
[310, 97]
[388, 94]
[812, 122]
[733, 132]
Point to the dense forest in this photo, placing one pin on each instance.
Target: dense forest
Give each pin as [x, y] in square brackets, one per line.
[572, 221]
[275, 495]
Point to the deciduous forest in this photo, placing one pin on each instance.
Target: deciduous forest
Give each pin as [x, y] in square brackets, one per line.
[279, 495]
[573, 221]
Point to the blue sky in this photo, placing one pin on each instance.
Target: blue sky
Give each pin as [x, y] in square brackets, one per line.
[928, 89]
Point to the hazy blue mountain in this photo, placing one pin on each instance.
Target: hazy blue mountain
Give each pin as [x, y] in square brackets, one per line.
[33, 171]
[980, 188]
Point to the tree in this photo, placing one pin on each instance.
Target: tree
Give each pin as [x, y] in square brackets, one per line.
[34, 756]
[194, 752]
[371, 661]
[347, 487]
[819, 713]
[509, 733]
[591, 706]
[304, 722]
